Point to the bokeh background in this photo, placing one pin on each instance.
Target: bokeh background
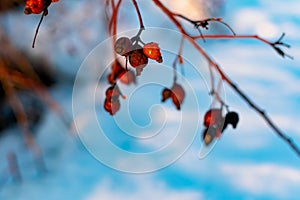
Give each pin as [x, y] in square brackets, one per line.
[250, 162]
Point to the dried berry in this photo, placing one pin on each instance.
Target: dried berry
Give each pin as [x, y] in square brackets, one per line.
[177, 95]
[212, 117]
[37, 6]
[138, 60]
[152, 51]
[111, 106]
[112, 92]
[231, 118]
[166, 94]
[123, 46]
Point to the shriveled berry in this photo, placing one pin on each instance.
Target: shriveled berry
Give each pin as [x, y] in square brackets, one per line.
[112, 92]
[232, 118]
[212, 117]
[112, 106]
[177, 95]
[34, 6]
[123, 46]
[138, 60]
[37, 6]
[152, 51]
[166, 94]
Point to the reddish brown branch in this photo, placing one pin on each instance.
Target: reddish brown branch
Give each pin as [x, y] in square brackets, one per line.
[224, 77]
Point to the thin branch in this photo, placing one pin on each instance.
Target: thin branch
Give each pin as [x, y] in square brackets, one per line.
[38, 27]
[139, 14]
[225, 78]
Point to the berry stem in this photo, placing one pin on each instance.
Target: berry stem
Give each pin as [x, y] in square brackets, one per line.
[38, 27]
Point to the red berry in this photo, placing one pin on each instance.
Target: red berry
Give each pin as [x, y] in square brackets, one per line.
[112, 92]
[34, 6]
[152, 51]
[37, 6]
[166, 94]
[177, 95]
[138, 60]
[213, 117]
[123, 46]
[111, 106]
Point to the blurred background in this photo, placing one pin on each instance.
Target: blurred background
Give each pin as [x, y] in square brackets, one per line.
[41, 156]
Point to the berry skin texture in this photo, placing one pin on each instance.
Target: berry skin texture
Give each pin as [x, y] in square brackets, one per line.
[152, 51]
[123, 46]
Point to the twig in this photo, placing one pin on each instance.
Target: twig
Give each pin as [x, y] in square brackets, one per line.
[139, 14]
[225, 78]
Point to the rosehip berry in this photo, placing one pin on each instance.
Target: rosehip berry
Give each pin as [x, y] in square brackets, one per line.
[152, 51]
[112, 92]
[123, 46]
[212, 117]
[34, 6]
[177, 95]
[166, 94]
[37, 6]
[138, 60]
[111, 106]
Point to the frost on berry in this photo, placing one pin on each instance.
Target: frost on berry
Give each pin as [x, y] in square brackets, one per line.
[152, 51]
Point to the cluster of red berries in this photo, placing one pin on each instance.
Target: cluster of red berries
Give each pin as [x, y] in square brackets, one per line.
[136, 54]
[37, 6]
[215, 123]
[112, 102]
[176, 93]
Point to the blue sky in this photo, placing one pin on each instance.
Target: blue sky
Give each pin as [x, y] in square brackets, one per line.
[250, 162]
